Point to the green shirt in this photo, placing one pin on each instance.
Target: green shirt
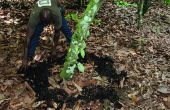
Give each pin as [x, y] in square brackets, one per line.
[53, 5]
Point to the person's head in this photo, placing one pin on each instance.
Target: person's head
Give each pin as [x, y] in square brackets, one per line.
[46, 16]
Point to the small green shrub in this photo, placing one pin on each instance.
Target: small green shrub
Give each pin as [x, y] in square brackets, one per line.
[124, 4]
[73, 16]
[76, 18]
[167, 2]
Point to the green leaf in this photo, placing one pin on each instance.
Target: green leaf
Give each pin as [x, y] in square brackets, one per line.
[72, 16]
[167, 2]
[88, 33]
[70, 70]
[83, 45]
[125, 4]
[76, 48]
[82, 52]
[94, 8]
[80, 67]
[87, 19]
[69, 50]
[96, 1]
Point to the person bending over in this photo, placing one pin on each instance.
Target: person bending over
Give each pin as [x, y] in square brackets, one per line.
[45, 12]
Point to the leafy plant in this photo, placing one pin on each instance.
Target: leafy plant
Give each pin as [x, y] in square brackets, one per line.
[140, 13]
[73, 16]
[82, 2]
[76, 18]
[78, 44]
[124, 4]
[138, 43]
[142, 43]
[96, 21]
[167, 2]
[134, 44]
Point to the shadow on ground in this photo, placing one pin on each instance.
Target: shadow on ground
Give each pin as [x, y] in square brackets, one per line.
[37, 76]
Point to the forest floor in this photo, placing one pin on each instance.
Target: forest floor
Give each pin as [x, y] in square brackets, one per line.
[124, 66]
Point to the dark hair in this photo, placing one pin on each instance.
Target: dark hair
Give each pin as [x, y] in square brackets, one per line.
[46, 15]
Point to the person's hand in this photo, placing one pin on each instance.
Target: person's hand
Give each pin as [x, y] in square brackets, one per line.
[23, 67]
[62, 10]
[25, 64]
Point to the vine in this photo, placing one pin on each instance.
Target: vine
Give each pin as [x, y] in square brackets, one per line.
[78, 44]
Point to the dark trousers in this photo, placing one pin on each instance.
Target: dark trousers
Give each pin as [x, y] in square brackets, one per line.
[35, 40]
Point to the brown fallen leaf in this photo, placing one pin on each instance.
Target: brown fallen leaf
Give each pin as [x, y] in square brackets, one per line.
[94, 105]
[28, 101]
[55, 105]
[31, 92]
[77, 105]
[167, 102]
[50, 108]
[53, 82]
[86, 83]
[133, 97]
[164, 89]
[78, 87]
[16, 105]
[37, 104]
[69, 91]
[2, 97]
[64, 106]
[4, 105]
[122, 83]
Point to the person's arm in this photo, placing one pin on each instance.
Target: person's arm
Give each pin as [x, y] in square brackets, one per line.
[55, 40]
[59, 4]
[57, 21]
[30, 32]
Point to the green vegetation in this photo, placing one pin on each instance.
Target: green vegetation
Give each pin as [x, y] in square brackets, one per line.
[78, 40]
[121, 3]
[167, 2]
[76, 18]
[73, 16]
